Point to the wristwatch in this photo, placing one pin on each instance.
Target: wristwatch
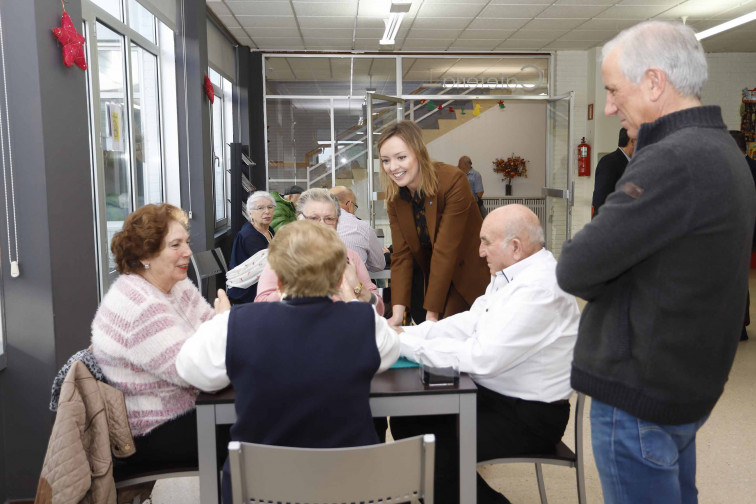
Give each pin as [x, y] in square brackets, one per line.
[358, 289]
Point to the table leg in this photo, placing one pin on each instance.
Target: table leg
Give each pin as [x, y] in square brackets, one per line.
[467, 448]
[208, 465]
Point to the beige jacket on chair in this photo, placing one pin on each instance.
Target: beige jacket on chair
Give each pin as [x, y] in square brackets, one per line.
[90, 424]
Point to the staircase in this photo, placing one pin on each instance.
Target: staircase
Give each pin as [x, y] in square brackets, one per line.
[446, 121]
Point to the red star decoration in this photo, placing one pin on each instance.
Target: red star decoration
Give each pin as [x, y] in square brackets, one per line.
[451, 109]
[440, 107]
[73, 42]
[209, 91]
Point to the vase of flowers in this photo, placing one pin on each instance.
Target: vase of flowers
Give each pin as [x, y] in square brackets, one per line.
[509, 168]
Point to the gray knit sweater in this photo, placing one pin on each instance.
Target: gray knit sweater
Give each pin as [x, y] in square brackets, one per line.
[664, 268]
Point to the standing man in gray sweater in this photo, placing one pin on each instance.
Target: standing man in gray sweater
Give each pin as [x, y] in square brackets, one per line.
[663, 267]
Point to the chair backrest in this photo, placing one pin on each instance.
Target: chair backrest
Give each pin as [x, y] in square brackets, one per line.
[206, 264]
[401, 471]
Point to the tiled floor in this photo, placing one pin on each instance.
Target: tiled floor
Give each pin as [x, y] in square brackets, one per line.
[726, 452]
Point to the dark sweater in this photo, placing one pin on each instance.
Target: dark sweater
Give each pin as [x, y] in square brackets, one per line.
[664, 267]
[248, 242]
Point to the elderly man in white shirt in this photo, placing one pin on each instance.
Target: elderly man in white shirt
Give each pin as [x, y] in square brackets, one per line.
[516, 342]
[357, 234]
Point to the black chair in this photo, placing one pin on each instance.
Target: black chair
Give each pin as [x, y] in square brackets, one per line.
[207, 264]
[562, 455]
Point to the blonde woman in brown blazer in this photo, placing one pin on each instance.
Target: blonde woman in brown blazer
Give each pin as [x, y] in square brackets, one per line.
[435, 222]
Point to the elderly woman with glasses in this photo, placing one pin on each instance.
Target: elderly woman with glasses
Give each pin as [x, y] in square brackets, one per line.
[253, 237]
[318, 205]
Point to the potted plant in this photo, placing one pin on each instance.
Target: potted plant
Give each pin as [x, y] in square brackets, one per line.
[513, 166]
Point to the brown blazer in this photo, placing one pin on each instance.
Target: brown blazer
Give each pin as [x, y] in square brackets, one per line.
[454, 224]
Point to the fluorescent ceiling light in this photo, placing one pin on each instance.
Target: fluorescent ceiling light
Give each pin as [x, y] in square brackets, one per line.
[726, 26]
[398, 9]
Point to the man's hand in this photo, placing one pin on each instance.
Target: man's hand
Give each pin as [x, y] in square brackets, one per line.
[222, 304]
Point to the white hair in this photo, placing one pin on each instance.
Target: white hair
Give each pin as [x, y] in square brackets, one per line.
[318, 194]
[257, 196]
[530, 233]
[669, 46]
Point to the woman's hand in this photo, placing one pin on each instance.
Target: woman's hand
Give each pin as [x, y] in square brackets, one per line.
[431, 316]
[348, 282]
[221, 304]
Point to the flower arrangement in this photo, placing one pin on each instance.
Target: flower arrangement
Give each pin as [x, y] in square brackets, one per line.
[513, 166]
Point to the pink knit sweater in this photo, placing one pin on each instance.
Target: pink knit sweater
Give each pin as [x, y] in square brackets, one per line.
[136, 334]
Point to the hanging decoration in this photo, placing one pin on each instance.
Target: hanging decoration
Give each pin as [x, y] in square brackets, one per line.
[422, 102]
[451, 109]
[71, 40]
[476, 110]
[501, 104]
[430, 105]
[463, 111]
[209, 91]
[440, 107]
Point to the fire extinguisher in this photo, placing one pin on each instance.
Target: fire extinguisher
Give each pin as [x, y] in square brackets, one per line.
[584, 159]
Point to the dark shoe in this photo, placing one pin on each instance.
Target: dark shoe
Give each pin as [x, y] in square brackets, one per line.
[744, 335]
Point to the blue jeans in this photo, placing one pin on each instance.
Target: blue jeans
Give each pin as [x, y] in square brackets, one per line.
[643, 462]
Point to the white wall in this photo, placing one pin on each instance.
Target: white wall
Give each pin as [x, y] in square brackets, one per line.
[520, 128]
[729, 73]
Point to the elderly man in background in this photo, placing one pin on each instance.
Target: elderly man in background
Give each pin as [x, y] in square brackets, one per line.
[357, 234]
[663, 268]
[516, 342]
[475, 180]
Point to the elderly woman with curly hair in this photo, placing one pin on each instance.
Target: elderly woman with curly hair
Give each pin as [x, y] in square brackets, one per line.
[140, 326]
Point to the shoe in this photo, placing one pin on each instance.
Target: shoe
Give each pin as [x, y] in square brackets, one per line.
[744, 335]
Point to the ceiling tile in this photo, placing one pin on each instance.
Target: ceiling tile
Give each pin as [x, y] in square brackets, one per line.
[594, 35]
[633, 12]
[440, 23]
[538, 34]
[260, 8]
[265, 32]
[607, 24]
[522, 45]
[365, 22]
[333, 44]
[423, 44]
[267, 21]
[540, 23]
[367, 44]
[469, 2]
[486, 34]
[498, 24]
[279, 43]
[650, 2]
[460, 10]
[229, 21]
[335, 33]
[325, 22]
[219, 8]
[325, 9]
[570, 45]
[433, 34]
[466, 45]
[728, 14]
[573, 11]
[512, 11]
[603, 2]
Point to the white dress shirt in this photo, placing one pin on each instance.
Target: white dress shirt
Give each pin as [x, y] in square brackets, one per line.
[360, 237]
[201, 361]
[516, 339]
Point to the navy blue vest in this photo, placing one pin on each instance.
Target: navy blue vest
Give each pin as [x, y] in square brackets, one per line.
[301, 369]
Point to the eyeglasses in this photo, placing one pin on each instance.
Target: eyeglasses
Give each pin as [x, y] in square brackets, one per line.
[326, 220]
[270, 208]
[355, 205]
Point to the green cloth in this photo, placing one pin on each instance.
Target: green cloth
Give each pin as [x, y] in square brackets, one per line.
[284, 212]
[404, 363]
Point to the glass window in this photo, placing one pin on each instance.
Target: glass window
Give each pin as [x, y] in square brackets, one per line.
[112, 7]
[130, 140]
[223, 135]
[147, 138]
[141, 20]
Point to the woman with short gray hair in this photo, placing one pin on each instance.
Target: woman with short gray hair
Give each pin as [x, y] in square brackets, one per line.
[253, 237]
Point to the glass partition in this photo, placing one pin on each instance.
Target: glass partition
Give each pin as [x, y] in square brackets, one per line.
[558, 190]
